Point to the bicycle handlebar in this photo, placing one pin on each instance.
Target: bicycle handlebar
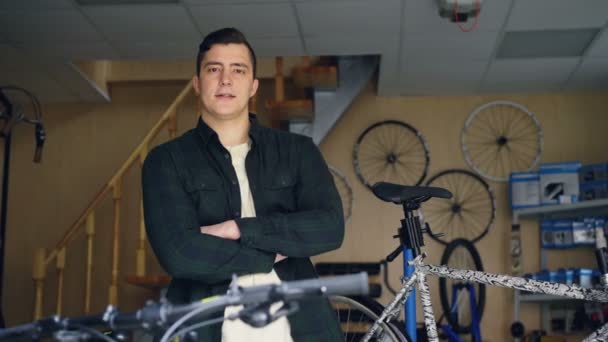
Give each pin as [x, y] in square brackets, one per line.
[154, 315]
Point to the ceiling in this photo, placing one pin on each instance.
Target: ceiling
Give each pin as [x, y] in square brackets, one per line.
[516, 46]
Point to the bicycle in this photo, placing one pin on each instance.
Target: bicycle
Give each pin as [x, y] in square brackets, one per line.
[411, 237]
[182, 320]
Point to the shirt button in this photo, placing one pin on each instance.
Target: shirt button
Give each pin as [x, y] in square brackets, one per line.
[234, 182]
[227, 156]
[237, 214]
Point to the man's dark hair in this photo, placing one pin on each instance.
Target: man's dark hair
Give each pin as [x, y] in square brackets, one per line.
[228, 35]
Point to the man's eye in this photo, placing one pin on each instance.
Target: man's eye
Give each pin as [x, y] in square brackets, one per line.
[239, 71]
[214, 69]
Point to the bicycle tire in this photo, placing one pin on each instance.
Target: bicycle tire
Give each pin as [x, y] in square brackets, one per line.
[368, 311]
[469, 214]
[444, 289]
[391, 151]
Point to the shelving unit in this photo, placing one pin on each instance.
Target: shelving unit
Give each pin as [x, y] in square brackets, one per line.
[595, 207]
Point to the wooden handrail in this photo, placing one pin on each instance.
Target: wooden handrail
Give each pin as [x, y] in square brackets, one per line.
[135, 155]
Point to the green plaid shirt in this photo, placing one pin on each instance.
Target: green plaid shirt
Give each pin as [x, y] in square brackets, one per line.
[190, 182]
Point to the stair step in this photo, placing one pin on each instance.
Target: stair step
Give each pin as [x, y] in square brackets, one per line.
[291, 109]
[316, 76]
[152, 282]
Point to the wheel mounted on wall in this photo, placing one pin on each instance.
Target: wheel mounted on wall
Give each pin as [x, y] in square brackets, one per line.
[346, 192]
[501, 137]
[470, 212]
[461, 254]
[391, 151]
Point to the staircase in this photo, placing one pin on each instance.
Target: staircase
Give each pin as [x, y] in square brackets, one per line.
[331, 87]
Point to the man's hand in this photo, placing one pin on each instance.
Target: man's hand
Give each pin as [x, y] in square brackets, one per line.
[225, 230]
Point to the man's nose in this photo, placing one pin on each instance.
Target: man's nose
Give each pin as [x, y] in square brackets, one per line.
[226, 78]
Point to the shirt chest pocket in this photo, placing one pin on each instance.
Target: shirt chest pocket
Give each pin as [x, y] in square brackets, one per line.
[208, 196]
[280, 193]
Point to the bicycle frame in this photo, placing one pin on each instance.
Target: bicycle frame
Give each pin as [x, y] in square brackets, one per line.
[518, 283]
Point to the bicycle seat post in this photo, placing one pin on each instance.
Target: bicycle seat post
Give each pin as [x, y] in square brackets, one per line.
[410, 232]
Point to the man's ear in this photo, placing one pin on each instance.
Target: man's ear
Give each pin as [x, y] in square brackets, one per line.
[195, 84]
[254, 87]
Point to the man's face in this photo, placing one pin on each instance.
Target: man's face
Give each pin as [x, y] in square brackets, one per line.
[225, 82]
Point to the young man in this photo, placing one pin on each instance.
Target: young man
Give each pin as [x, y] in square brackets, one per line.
[232, 197]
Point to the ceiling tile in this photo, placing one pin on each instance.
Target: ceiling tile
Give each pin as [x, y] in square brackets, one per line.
[143, 23]
[442, 75]
[547, 43]
[351, 17]
[71, 52]
[43, 87]
[271, 47]
[424, 46]
[423, 16]
[591, 74]
[47, 26]
[599, 47]
[218, 2]
[255, 21]
[529, 74]
[557, 14]
[35, 4]
[158, 50]
[360, 44]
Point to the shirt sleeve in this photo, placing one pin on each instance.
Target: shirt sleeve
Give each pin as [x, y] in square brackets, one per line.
[174, 232]
[318, 224]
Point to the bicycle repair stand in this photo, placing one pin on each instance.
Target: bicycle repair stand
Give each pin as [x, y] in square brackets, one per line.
[411, 239]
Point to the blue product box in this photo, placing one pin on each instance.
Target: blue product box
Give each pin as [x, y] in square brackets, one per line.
[593, 172]
[583, 231]
[569, 276]
[524, 189]
[562, 233]
[584, 277]
[546, 233]
[593, 190]
[558, 179]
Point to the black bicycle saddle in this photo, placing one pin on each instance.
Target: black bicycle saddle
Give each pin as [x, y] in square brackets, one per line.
[400, 194]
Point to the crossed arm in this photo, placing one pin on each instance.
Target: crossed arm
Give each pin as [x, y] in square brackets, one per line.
[213, 253]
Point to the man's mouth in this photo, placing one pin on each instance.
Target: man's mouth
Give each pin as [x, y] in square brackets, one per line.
[225, 96]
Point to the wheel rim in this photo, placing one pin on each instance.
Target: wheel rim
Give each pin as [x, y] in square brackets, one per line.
[345, 191]
[501, 137]
[461, 254]
[391, 151]
[469, 214]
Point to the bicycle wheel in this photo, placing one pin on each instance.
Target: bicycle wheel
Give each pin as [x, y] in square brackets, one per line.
[501, 137]
[391, 151]
[461, 254]
[470, 212]
[358, 314]
[345, 191]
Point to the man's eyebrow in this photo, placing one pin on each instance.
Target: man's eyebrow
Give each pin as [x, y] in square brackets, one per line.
[240, 65]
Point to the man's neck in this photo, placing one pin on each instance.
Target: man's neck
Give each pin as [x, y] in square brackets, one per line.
[230, 132]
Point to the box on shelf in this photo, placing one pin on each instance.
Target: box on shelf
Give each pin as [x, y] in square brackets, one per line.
[558, 179]
[524, 189]
[556, 233]
[593, 172]
[583, 231]
[594, 190]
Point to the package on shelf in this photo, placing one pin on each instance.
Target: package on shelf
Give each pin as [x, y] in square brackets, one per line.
[558, 179]
[593, 190]
[583, 231]
[594, 172]
[524, 189]
[556, 233]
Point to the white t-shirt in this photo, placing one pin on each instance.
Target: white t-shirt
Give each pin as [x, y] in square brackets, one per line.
[237, 330]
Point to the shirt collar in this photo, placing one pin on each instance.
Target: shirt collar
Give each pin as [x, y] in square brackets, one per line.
[207, 132]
